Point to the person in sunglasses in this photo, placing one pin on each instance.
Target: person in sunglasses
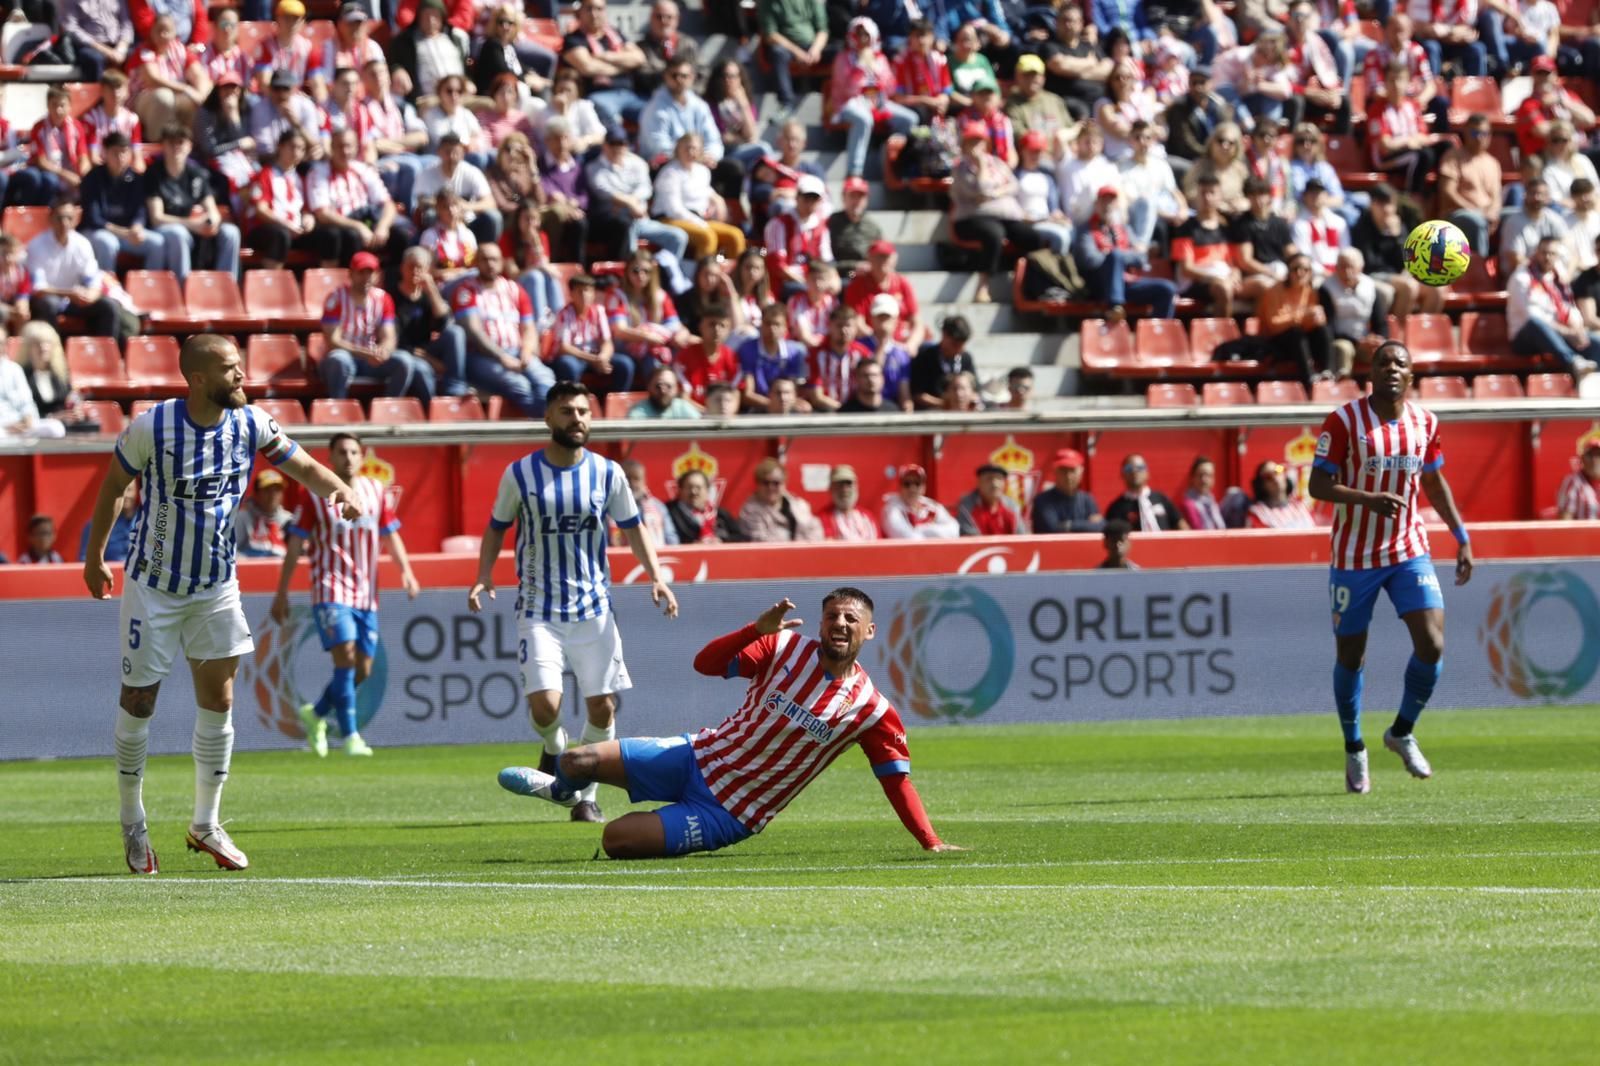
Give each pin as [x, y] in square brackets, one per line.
[1141, 507]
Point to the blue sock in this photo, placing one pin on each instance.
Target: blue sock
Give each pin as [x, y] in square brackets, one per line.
[1421, 677]
[324, 705]
[343, 687]
[1347, 686]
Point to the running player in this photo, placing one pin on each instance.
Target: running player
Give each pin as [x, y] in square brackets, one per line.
[344, 589]
[560, 498]
[193, 456]
[1373, 456]
[807, 702]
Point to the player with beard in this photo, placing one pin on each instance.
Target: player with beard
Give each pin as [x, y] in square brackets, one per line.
[560, 497]
[193, 456]
[807, 702]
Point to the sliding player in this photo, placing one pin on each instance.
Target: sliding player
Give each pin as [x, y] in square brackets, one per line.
[344, 589]
[1373, 456]
[807, 702]
[182, 594]
[560, 498]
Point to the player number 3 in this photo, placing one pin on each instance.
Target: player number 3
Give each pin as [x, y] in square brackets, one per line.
[133, 632]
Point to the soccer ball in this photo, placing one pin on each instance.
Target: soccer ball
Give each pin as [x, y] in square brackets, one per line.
[1437, 253]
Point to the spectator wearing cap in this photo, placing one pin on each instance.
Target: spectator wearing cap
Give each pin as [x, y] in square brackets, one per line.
[861, 85]
[101, 32]
[115, 211]
[938, 359]
[288, 48]
[793, 32]
[1198, 505]
[352, 208]
[910, 514]
[619, 205]
[1117, 539]
[985, 207]
[922, 74]
[878, 276]
[888, 353]
[1033, 108]
[1142, 507]
[1066, 507]
[843, 518]
[987, 511]
[1105, 254]
[606, 62]
[969, 67]
[181, 208]
[258, 527]
[351, 45]
[1192, 119]
[1578, 497]
[772, 515]
[798, 236]
[985, 111]
[685, 200]
[470, 185]
[1156, 206]
[430, 50]
[1083, 173]
[1036, 191]
[358, 322]
[851, 230]
[282, 108]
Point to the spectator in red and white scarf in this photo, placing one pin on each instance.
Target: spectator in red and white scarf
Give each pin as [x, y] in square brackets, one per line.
[61, 155]
[842, 519]
[1275, 507]
[1578, 498]
[696, 516]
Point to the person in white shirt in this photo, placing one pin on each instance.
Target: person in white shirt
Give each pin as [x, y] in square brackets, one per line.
[452, 171]
[1357, 309]
[1083, 174]
[1319, 231]
[911, 515]
[1036, 191]
[1584, 218]
[1537, 32]
[1522, 230]
[19, 415]
[1564, 164]
[66, 275]
[1542, 316]
[684, 199]
[1150, 187]
[451, 115]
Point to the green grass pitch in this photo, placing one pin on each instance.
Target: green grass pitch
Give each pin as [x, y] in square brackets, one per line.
[1160, 892]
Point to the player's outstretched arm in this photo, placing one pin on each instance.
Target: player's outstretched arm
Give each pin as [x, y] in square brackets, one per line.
[96, 574]
[644, 550]
[488, 552]
[291, 559]
[322, 481]
[1444, 501]
[724, 656]
[908, 805]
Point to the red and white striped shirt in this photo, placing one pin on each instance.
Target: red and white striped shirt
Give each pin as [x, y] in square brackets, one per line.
[814, 316]
[334, 57]
[587, 331]
[1291, 514]
[63, 145]
[169, 63]
[854, 524]
[831, 372]
[791, 242]
[502, 304]
[1377, 63]
[362, 322]
[1368, 454]
[282, 194]
[233, 61]
[453, 248]
[1388, 118]
[795, 720]
[344, 554]
[377, 120]
[348, 191]
[272, 55]
[96, 124]
[1321, 237]
[1579, 498]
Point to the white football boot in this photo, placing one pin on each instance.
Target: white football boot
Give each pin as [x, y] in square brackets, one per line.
[215, 842]
[136, 849]
[1355, 772]
[1410, 754]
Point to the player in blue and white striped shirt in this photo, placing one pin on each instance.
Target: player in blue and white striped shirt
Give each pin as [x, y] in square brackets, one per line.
[194, 458]
[559, 498]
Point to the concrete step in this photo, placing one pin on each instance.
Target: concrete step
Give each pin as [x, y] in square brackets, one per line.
[988, 321]
[935, 286]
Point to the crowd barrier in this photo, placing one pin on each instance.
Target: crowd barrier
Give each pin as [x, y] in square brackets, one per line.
[1505, 460]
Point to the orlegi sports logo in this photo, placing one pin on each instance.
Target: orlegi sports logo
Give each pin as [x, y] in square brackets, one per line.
[274, 674]
[925, 630]
[1523, 614]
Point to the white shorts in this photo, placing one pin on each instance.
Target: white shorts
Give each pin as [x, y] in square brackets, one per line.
[591, 649]
[157, 625]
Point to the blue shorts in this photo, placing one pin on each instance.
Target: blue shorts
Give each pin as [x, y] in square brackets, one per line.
[339, 624]
[1412, 586]
[663, 769]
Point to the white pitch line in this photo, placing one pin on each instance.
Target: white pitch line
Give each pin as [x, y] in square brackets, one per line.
[525, 886]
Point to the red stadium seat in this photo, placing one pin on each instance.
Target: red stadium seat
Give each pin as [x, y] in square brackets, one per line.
[1335, 392]
[274, 295]
[396, 411]
[94, 363]
[455, 409]
[274, 361]
[319, 282]
[251, 34]
[1351, 163]
[1551, 386]
[1431, 339]
[1442, 389]
[156, 293]
[1497, 387]
[26, 223]
[106, 412]
[153, 364]
[1105, 347]
[1161, 342]
[287, 412]
[326, 412]
[1485, 335]
[84, 94]
[1281, 392]
[1206, 333]
[618, 403]
[1469, 95]
[1226, 394]
[1171, 394]
[214, 295]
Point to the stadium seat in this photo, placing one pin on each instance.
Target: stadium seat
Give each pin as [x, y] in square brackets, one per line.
[251, 34]
[1478, 288]
[287, 412]
[155, 294]
[1226, 394]
[274, 296]
[106, 412]
[214, 295]
[1431, 338]
[1171, 394]
[618, 403]
[94, 364]
[396, 411]
[1354, 168]
[1206, 333]
[274, 361]
[1468, 95]
[319, 282]
[153, 364]
[326, 412]
[1443, 388]
[1497, 387]
[1105, 348]
[84, 95]
[1551, 386]
[455, 409]
[461, 544]
[1161, 342]
[26, 223]
[1335, 392]
[1485, 335]
[1281, 392]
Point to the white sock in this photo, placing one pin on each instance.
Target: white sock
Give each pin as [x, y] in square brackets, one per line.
[213, 751]
[555, 738]
[132, 742]
[594, 734]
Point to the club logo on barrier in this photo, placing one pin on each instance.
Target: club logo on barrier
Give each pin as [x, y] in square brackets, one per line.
[1518, 660]
[272, 675]
[918, 677]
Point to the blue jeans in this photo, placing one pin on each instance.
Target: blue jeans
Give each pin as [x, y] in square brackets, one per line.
[545, 293]
[107, 246]
[450, 349]
[179, 242]
[401, 373]
[747, 155]
[399, 173]
[525, 388]
[1108, 283]
[571, 368]
[1348, 55]
[666, 238]
[857, 116]
[32, 187]
[486, 226]
[1579, 59]
[782, 60]
[616, 106]
[1537, 338]
[1472, 57]
[1057, 235]
[1251, 106]
[1476, 227]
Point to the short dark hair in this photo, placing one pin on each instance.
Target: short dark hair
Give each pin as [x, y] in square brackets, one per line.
[715, 390]
[957, 328]
[1253, 186]
[1581, 186]
[919, 26]
[118, 139]
[679, 60]
[563, 390]
[40, 520]
[333, 441]
[1115, 529]
[1382, 192]
[848, 592]
[717, 310]
[1019, 373]
[175, 132]
[1208, 181]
